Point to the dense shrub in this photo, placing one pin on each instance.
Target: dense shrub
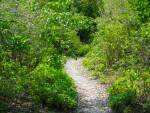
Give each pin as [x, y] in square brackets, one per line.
[83, 50]
[51, 87]
[90, 8]
[120, 52]
[35, 37]
[129, 90]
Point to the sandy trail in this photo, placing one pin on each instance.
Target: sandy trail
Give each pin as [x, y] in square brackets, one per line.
[91, 94]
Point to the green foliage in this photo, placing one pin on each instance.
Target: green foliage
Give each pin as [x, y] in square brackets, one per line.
[120, 52]
[142, 8]
[35, 37]
[82, 50]
[52, 88]
[90, 8]
[127, 91]
[127, 83]
[122, 102]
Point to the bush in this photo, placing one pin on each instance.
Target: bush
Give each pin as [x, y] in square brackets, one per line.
[37, 35]
[52, 88]
[92, 8]
[128, 91]
[119, 53]
[122, 102]
[82, 50]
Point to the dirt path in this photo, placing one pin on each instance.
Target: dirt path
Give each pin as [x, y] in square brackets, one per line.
[91, 94]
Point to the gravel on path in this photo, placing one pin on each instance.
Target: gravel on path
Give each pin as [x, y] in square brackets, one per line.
[92, 97]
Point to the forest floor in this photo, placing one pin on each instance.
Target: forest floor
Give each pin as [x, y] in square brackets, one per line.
[92, 97]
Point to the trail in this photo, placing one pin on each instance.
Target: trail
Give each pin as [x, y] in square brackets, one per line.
[91, 94]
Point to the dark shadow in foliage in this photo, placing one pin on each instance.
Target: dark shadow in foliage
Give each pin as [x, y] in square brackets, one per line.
[22, 104]
[90, 8]
[86, 34]
[25, 104]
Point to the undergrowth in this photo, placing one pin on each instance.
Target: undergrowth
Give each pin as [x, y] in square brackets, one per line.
[120, 51]
[35, 37]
